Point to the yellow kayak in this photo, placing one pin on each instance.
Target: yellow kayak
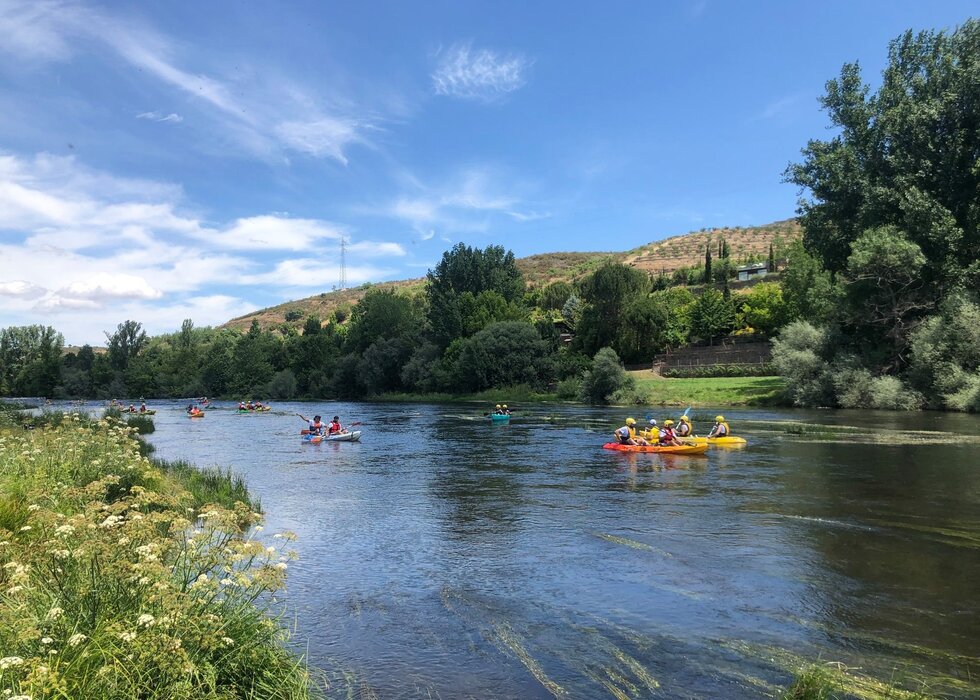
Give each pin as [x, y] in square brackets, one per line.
[727, 440]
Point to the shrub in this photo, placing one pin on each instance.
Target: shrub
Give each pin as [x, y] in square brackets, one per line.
[730, 370]
[606, 377]
[282, 385]
[142, 424]
[797, 354]
[294, 315]
[569, 389]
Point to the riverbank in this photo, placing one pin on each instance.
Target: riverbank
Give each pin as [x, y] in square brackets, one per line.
[123, 577]
[709, 391]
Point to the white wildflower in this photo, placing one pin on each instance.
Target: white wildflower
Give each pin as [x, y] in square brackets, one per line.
[76, 639]
[33, 507]
[228, 641]
[127, 636]
[64, 530]
[26, 528]
[8, 661]
[281, 566]
[145, 620]
[53, 614]
[46, 640]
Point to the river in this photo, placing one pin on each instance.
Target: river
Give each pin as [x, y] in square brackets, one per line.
[445, 557]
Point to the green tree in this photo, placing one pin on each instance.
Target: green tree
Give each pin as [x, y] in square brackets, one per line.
[125, 344]
[904, 156]
[554, 296]
[763, 308]
[607, 292]
[707, 264]
[606, 377]
[465, 269]
[712, 316]
[30, 360]
[645, 329]
[505, 354]
[807, 287]
[381, 314]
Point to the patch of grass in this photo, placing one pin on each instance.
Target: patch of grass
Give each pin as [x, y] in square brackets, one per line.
[210, 485]
[143, 424]
[509, 395]
[714, 391]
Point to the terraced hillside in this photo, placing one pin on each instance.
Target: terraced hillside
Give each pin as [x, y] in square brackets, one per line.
[661, 256]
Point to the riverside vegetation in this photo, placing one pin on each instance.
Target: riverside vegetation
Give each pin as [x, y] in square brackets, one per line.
[123, 578]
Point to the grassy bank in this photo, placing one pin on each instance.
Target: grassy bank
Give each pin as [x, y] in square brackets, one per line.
[713, 391]
[117, 580]
[509, 395]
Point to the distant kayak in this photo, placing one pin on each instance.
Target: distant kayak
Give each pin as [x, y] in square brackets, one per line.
[727, 440]
[658, 449]
[199, 414]
[264, 409]
[338, 437]
[499, 417]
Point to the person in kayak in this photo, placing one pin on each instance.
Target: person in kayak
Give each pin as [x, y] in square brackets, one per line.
[335, 428]
[684, 427]
[667, 436]
[498, 410]
[316, 427]
[142, 406]
[720, 428]
[627, 434]
[504, 410]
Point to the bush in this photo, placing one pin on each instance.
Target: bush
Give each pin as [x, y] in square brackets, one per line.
[890, 393]
[294, 315]
[282, 385]
[606, 377]
[797, 354]
[143, 424]
[731, 370]
[569, 389]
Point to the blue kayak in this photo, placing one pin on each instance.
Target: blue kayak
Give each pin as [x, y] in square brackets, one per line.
[499, 417]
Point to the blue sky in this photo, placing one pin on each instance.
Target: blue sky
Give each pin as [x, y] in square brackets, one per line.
[165, 160]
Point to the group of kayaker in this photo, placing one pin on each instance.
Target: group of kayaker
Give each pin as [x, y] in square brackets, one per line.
[666, 434]
[193, 410]
[501, 410]
[132, 408]
[318, 428]
[250, 406]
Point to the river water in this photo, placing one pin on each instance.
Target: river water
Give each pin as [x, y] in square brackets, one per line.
[447, 557]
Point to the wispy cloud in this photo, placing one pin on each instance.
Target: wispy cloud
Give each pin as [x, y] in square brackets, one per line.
[272, 117]
[781, 107]
[478, 74]
[158, 117]
[22, 289]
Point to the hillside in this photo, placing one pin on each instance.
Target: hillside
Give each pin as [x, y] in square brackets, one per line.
[661, 256]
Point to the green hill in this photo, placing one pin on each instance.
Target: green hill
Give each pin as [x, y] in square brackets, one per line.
[539, 270]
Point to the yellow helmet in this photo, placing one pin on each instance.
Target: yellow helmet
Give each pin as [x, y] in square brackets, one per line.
[685, 419]
[668, 422]
[719, 419]
[505, 405]
[497, 406]
[630, 421]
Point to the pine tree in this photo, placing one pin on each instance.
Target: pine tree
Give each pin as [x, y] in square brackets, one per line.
[772, 260]
[707, 264]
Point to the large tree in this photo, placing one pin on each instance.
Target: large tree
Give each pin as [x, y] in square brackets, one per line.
[904, 156]
[607, 293]
[466, 269]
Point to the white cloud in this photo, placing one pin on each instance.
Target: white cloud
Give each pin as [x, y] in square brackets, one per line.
[273, 233]
[105, 286]
[482, 75]
[158, 117]
[320, 273]
[323, 137]
[269, 118]
[90, 246]
[21, 289]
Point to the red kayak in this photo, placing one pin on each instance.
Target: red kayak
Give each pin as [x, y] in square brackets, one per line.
[659, 449]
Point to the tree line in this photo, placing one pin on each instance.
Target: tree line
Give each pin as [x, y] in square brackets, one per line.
[477, 325]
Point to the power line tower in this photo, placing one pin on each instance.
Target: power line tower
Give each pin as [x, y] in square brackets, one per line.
[343, 264]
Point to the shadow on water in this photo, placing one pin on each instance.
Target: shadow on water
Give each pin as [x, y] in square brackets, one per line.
[443, 556]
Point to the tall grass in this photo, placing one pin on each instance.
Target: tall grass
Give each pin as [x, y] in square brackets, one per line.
[143, 424]
[210, 484]
[117, 581]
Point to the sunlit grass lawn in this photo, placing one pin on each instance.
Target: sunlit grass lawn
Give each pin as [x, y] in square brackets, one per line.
[714, 391]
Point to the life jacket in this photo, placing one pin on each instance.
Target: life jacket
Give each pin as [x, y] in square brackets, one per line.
[666, 435]
[723, 430]
[683, 430]
[334, 428]
[316, 428]
[625, 433]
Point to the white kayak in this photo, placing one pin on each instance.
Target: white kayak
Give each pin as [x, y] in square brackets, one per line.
[343, 437]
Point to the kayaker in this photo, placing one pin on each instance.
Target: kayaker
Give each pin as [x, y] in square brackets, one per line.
[131, 409]
[684, 427]
[720, 428]
[505, 411]
[335, 427]
[627, 434]
[316, 427]
[143, 407]
[190, 408]
[241, 406]
[667, 436]
[498, 410]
